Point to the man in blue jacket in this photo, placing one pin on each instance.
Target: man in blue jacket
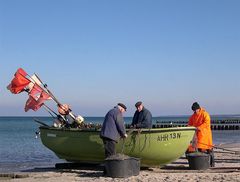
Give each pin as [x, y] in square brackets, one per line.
[113, 128]
[142, 117]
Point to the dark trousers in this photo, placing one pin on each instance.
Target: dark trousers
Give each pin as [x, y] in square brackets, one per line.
[109, 146]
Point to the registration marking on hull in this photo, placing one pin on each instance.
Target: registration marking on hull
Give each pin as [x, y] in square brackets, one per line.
[51, 135]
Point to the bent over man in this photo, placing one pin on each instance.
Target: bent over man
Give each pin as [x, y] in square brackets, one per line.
[113, 128]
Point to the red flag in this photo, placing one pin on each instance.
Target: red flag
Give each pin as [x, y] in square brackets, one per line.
[19, 82]
[37, 97]
[32, 103]
[36, 91]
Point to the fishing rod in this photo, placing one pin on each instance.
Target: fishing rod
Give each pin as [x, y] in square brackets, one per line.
[224, 149]
[58, 115]
[48, 111]
[233, 151]
[40, 122]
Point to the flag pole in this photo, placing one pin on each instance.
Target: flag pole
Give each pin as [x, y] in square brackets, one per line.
[50, 93]
[54, 98]
[45, 87]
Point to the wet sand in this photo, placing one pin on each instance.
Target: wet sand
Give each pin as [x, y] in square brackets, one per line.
[227, 168]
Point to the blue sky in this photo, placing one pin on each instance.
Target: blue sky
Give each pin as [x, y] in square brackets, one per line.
[94, 54]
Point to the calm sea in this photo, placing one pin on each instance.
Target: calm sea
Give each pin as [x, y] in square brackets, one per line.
[20, 150]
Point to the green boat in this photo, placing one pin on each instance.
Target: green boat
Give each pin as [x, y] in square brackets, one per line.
[155, 147]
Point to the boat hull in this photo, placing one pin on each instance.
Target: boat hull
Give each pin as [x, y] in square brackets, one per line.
[155, 147]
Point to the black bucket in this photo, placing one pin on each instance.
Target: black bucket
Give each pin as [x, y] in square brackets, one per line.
[122, 167]
[198, 161]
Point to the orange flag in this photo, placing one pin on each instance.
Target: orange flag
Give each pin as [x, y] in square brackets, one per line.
[19, 82]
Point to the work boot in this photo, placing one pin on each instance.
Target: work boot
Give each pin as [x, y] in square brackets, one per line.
[212, 161]
[104, 171]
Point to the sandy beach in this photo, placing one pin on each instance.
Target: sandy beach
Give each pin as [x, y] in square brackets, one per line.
[227, 168]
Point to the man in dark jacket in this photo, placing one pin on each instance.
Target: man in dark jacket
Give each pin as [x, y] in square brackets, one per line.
[142, 117]
[113, 128]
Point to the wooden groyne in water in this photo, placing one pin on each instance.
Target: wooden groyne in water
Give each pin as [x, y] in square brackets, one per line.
[225, 124]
